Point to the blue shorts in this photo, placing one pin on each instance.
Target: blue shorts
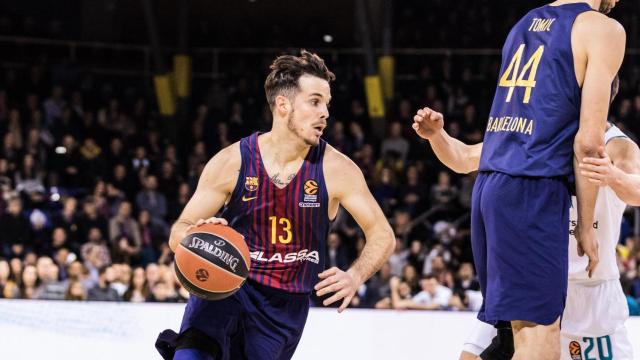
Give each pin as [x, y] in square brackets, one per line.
[257, 322]
[520, 240]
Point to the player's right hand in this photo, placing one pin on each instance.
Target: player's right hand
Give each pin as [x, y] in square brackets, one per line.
[587, 245]
[212, 220]
[427, 123]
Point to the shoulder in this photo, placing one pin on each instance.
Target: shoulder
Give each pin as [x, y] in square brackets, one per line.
[221, 172]
[592, 25]
[337, 164]
[227, 158]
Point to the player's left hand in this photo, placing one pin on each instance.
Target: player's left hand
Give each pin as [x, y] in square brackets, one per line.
[599, 170]
[342, 283]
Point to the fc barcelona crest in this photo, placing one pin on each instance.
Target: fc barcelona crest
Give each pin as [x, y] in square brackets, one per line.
[251, 183]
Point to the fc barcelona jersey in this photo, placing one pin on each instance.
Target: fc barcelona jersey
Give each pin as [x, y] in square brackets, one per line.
[536, 109]
[285, 229]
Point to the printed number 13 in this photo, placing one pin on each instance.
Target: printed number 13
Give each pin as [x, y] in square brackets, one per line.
[513, 76]
[286, 227]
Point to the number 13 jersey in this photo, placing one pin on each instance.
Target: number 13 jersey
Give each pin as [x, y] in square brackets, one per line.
[286, 228]
[536, 109]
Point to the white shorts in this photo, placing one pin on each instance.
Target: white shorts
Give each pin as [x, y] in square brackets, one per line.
[593, 320]
[608, 347]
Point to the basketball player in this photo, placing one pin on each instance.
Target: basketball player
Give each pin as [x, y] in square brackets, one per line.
[552, 99]
[280, 190]
[593, 319]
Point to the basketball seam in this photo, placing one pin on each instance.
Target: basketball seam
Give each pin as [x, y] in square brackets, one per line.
[230, 243]
[191, 287]
[209, 262]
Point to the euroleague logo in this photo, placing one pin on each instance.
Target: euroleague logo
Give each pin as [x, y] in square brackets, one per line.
[575, 350]
[310, 187]
[202, 275]
[310, 199]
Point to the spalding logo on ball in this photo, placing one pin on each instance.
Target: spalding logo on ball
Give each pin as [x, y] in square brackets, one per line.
[212, 261]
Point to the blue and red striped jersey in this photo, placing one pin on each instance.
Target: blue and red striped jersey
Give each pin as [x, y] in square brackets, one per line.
[285, 229]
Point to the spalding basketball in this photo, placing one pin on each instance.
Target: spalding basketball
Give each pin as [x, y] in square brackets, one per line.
[212, 261]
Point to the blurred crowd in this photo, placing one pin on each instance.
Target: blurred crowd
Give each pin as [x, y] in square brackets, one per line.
[91, 179]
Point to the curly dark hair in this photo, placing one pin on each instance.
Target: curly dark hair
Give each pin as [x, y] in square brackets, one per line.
[287, 69]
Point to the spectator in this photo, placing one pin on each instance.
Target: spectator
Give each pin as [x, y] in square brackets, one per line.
[50, 288]
[14, 237]
[395, 143]
[103, 291]
[75, 291]
[123, 225]
[432, 297]
[151, 200]
[336, 253]
[29, 282]
[138, 290]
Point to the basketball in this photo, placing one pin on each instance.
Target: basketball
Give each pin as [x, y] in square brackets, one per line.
[212, 261]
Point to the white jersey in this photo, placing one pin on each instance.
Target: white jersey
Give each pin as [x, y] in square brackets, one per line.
[606, 222]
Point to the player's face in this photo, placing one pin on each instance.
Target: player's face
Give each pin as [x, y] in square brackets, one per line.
[607, 5]
[310, 110]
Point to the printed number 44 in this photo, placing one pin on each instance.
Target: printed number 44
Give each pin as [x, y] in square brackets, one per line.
[513, 76]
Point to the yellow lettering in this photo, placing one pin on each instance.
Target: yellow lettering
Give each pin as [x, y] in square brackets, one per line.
[505, 125]
[521, 123]
[514, 124]
[489, 124]
[529, 130]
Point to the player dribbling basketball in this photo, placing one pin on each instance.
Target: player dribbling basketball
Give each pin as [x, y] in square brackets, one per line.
[279, 189]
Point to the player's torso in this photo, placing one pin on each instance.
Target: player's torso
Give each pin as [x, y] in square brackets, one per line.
[286, 228]
[535, 111]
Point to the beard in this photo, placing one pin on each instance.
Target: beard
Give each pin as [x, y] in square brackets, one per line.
[606, 6]
[299, 133]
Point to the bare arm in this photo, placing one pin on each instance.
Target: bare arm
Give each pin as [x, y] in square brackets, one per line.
[618, 167]
[453, 153]
[214, 187]
[346, 185]
[598, 44]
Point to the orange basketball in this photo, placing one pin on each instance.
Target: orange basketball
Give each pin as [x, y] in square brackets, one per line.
[212, 261]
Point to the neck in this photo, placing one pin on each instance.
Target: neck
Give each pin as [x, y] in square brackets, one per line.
[284, 146]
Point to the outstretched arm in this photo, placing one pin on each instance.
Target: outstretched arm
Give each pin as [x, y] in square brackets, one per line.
[618, 167]
[453, 153]
[347, 185]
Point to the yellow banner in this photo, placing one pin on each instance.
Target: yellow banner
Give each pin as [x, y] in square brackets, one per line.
[386, 67]
[375, 101]
[182, 71]
[164, 93]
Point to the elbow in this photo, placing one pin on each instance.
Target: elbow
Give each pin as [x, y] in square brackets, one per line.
[587, 144]
[390, 244]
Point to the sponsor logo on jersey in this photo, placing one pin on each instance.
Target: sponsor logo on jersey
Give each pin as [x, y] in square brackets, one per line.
[575, 350]
[251, 183]
[230, 260]
[310, 199]
[302, 255]
[245, 198]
